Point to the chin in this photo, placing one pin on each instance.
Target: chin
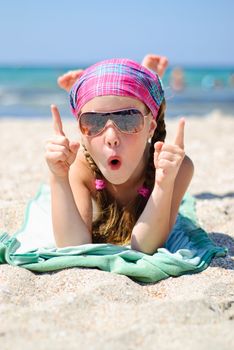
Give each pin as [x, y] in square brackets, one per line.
[115, 179]
[117, 182]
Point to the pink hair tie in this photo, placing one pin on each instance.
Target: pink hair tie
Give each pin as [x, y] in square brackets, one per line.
[144, 192]
[100, 184]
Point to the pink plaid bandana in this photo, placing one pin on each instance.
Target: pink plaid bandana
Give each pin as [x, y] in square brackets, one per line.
[119, 77]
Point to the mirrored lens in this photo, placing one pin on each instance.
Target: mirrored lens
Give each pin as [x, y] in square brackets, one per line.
[127, 121]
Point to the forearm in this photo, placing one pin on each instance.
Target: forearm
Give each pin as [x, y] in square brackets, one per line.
[153, 226]
[68, 226]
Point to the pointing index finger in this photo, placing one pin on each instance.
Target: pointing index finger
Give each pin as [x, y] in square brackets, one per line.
[57, 122]
[179, 139]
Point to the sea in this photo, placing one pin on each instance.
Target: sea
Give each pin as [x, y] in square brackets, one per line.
[28, 91]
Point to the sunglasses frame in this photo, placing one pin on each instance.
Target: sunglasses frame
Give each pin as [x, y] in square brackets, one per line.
[113, 112]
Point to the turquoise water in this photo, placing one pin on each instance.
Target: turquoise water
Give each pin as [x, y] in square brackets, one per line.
[29, 91]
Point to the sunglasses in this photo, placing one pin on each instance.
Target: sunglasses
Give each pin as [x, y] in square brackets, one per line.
[128, 121]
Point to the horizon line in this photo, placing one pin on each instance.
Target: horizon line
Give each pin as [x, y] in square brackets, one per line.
[87, 64]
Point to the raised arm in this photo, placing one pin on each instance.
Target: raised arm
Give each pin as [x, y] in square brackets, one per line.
[69, 228]
[158, 217]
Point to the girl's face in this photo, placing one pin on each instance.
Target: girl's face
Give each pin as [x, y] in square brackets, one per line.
[119, 156]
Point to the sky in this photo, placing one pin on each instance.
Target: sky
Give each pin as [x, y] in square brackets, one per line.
[62, 32]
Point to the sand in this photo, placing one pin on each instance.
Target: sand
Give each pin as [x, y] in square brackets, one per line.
[88, 308]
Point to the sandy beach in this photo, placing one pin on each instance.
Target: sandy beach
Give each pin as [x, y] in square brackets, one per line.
[87, 308]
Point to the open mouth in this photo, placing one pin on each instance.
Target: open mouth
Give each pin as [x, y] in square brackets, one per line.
[114, 163]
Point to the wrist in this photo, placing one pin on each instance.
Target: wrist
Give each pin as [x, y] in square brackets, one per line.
[164, 182]
[163, 187]
[58, 179]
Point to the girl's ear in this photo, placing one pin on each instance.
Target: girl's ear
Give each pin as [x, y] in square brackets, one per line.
[152, 127]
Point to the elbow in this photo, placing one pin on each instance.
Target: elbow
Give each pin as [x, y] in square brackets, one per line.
[72, 243]
[144, 248]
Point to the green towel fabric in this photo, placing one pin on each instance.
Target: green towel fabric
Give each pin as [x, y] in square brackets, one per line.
[187, 250]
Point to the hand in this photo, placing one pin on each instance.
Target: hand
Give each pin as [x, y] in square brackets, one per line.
[168, 158]
[66, 80]
[60, 152]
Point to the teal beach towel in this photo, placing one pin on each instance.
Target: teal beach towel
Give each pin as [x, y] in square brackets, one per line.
[187, 250]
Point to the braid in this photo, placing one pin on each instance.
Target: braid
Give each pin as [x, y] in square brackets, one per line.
[159, 135]
[160, 132]
[102, 227]
[101, 196]
[115, 223]
[92, 164]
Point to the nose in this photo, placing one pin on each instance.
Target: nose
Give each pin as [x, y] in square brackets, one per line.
[111, 136]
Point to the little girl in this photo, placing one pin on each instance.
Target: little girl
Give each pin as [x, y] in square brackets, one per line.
[122, 162]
